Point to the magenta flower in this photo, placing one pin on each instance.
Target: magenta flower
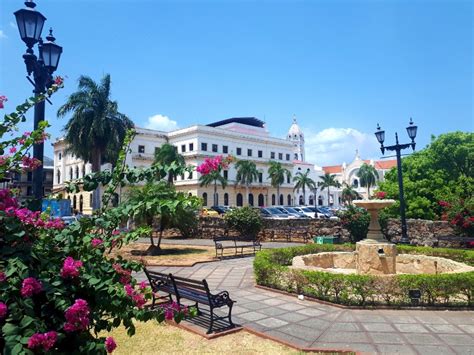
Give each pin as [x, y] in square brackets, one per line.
[96, 242]
[3, 277]
[142, 285]
[30, 287]
[128, 289]
[77, 316]
[3, 310]
[46, 340]
[59, 80]
[169, 314]
[3, 99]
[12, 150]
[30, 163]
[70, 268]
[110, 344]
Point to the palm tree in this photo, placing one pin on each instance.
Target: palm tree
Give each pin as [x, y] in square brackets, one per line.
[213, 177]
[328, 180]
[302, 181]
[368, 176]
[247, 173]
[96, 129]
[349, 194]
[166, 155]
[277, 174]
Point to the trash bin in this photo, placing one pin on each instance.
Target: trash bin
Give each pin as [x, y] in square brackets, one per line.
[324, 239]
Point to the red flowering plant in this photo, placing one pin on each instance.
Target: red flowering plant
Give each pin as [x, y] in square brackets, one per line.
[210, 171]
[380, 195]
[59, 286]
[460, 214]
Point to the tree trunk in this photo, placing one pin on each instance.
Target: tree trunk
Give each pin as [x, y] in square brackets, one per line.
[304, 196]
[278, 193]
[328, 196]
[215, 192]
[154, 249]
[368, 191]
[96, 160]
[247, 194]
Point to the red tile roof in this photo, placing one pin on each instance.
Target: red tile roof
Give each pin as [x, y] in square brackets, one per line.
[334, 169]
[379, 164]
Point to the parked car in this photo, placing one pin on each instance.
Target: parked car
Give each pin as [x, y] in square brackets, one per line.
[208, 212]
[220, 209]
[298, 213]
[319, 213]
[308, 212]
[328, 212]
[272, 212]
[291, 215]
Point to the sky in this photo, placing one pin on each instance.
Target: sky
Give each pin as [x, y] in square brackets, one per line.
[340, 66]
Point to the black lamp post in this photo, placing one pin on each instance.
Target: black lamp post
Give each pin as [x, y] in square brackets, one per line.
[411, 130]
[30, 24]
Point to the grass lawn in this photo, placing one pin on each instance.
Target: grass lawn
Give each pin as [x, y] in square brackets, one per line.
[173, 255]
[154, 338]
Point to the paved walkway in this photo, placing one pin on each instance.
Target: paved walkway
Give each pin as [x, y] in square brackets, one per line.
[310, 324]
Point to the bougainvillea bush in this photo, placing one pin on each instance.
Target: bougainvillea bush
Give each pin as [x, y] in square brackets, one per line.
[58, 287]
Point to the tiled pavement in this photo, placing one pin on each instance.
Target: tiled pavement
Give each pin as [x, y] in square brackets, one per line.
[310, 324]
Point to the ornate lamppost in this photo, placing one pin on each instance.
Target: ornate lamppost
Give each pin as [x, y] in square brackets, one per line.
[380, 134]
[30, 24]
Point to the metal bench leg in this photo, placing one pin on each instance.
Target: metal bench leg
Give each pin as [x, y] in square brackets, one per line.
[197, 309]
[230, 315]
[209, 331]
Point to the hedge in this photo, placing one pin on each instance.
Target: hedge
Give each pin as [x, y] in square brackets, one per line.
[272, 269]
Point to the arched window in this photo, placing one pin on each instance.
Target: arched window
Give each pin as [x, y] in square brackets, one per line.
[204, 199]
[320, 200]
[261, 200]
[81, 203]
[288, 200]
[250, 199]
[273, 199]
[355, 183]
[282, 202]
[301, 200]
[226, 199]
[58, 175]
[240, 200]
[74, 203]
[77, 172]
[70, 173]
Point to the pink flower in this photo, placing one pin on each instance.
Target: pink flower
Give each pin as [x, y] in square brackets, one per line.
[58, 80]
[2, 100]
[46, 340]
[21, 141]
[30, 163]
[3, 310]
[110, 344]
[12, 150]
[128, 289]
[96, 242]
[3, 277]
[139, 300]
[169, 314]
[70, 268]
[77, 316]
[4, 159]
[142, 285]
[27, 133]
[125, 275]
[30, 287]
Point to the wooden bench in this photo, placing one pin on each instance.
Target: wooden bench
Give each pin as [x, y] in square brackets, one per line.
[235, 243]
[192, 290]
[290, 232]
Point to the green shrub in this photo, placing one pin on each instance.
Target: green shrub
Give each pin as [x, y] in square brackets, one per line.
[187, 221]
[271, 269]
[356, 220]
[246, 220]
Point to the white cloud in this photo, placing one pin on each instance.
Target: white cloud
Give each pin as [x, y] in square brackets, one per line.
[13, 25]
[2, 34]
[333, 146]
[161, 123]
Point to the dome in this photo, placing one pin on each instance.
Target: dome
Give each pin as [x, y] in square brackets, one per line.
[295, 130]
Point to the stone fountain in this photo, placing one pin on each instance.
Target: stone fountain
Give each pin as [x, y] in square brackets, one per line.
[375, 255]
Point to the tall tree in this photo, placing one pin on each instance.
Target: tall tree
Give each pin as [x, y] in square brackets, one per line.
[277, 174]
[166, 155]
[303, 181]
[247, 173]
[96, 129]
[327, 181]
[349, 194]
[368, 176]
[214, 178]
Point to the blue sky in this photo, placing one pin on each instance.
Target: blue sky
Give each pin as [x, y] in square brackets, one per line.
[340, 66]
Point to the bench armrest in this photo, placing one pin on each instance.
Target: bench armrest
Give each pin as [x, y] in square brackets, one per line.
[221, 298]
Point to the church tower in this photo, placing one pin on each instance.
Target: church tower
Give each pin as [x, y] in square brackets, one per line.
[296, 136]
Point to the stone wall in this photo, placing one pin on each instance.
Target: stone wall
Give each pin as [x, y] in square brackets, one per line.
[421, 232]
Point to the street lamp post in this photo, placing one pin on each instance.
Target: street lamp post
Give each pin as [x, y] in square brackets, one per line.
[380, 134]
[30, 24]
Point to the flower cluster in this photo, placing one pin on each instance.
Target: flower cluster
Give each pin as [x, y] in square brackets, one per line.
[214, 164]
[3, 310]
[34, 218]
[3, 99]
[137, 297]
[460, 214]
[70, 268]
[96, 242]
[171, 308]
[45, 340]
[59, 80]
[30, 163]
[30, 287]
[77, 316]
[110, 344]
[125, 275]
[380, 195]
[7, 200]
[3, 277]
